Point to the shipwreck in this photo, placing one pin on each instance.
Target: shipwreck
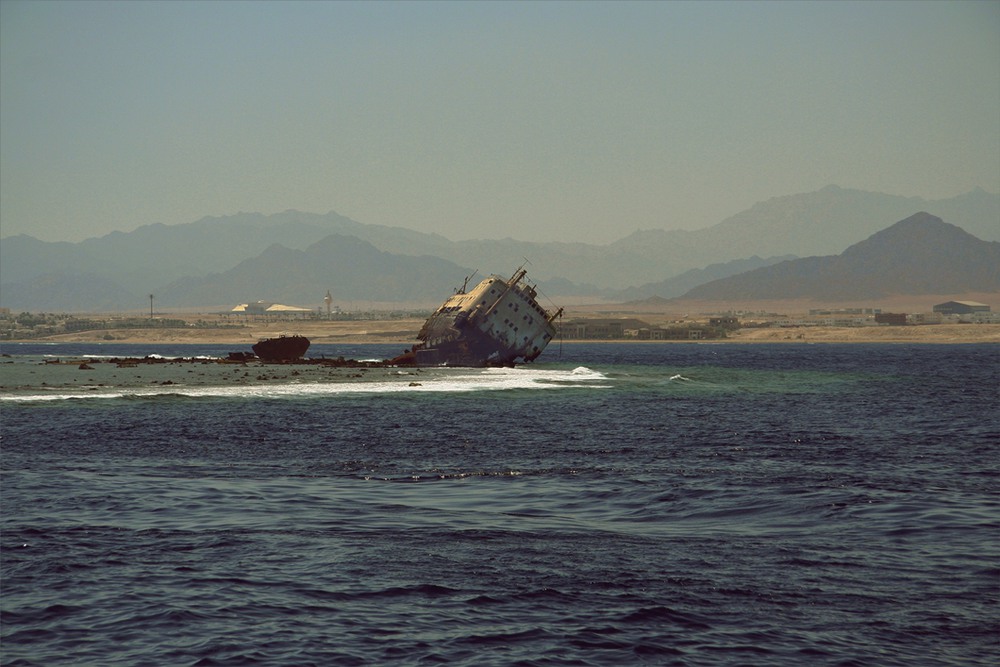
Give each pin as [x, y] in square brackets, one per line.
[496, 323]
[282, 348]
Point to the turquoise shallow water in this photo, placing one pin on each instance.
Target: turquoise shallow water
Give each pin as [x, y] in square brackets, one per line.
[615, 504]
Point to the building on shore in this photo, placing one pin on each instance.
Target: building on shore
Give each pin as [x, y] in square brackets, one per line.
[628, 328]
[724, 322]
[602, 328]
[892, 319]
[961, 308]
[267, 310]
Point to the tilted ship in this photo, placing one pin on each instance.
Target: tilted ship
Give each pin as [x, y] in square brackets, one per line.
[496, 323]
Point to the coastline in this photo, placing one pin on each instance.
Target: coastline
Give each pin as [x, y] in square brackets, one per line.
[403, 332]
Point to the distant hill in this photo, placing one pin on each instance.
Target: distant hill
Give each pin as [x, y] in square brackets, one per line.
[120, 270]
[919, 255]
[61, 292]
[157, 254]
[678, 285]
[816, 223]
[353, 269]
[123, 268]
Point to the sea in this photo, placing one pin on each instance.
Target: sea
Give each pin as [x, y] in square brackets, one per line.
[609, 504]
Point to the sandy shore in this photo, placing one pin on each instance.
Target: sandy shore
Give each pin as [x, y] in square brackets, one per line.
[369, 331]
[404, 332]
[931, 333]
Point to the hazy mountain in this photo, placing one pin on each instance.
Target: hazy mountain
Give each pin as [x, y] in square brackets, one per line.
[126, 266]
[680, 284]
[156, 254]
[919, 255]
[351, 268]
[71, 292]
[816, 223]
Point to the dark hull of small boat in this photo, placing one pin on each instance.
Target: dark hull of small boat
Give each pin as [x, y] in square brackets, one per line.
[283, 348]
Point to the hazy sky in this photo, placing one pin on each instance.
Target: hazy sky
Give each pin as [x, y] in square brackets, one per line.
[578, 121]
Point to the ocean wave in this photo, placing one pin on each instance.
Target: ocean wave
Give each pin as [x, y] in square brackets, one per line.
[434, 381]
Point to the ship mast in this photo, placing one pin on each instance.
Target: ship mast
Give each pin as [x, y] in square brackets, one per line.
[520, 273]
[466, 283]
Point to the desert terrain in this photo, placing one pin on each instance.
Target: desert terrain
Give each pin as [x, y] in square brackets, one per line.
[404, 331]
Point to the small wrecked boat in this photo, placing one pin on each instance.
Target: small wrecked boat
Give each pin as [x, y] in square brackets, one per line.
[281, 348]
[496, 323]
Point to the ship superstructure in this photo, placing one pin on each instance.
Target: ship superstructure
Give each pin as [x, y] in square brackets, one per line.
[497, 322]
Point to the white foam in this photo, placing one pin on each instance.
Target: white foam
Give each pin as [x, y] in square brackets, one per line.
[200, 357]
[438, 380]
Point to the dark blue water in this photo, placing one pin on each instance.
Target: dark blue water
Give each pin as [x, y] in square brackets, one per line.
[615, 504]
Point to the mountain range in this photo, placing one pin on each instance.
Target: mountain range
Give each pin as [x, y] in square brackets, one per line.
[919, 255]
[294, 257]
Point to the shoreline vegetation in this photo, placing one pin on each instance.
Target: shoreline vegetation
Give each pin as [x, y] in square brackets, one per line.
[403, 331]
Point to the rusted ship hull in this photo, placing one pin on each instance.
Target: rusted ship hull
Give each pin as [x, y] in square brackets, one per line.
[282, 348]
[497, 323]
